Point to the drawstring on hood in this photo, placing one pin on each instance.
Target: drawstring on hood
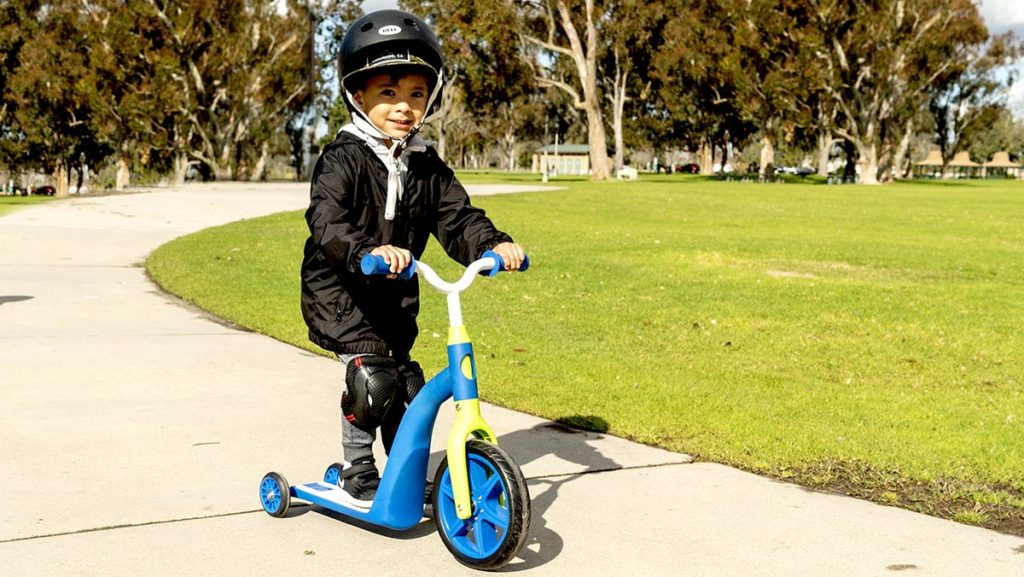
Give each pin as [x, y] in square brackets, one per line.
[395, 159]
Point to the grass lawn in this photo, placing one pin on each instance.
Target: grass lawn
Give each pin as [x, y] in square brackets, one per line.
[9, 204]
[861, 339]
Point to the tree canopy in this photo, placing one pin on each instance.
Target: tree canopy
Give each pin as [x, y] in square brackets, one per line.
[221, 87]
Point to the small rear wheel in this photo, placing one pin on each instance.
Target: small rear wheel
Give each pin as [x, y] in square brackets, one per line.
[333, 473]
[497, 529]
[275, 494]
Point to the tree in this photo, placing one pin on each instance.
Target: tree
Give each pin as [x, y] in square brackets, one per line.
[771, 38]
[245, 68]
[562, 30]
[332, 18]
[697, 73]
[137, 100]
[483, 64]
[996, 130]
[879, 57]
[50, 91]
[634, 28]
[968, 93]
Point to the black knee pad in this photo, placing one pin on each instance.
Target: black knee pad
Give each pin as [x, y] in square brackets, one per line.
[372, 384]
[412, 380]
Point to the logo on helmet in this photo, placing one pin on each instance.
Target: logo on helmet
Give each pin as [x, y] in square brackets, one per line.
[389, 30]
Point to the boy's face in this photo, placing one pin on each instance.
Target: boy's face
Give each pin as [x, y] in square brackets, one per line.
[394, 105]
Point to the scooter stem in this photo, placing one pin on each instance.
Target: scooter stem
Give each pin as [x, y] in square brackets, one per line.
[468, 421]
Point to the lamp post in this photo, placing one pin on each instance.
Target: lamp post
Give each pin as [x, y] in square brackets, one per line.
[544, 162]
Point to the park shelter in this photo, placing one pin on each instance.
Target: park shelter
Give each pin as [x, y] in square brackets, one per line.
[962, 166]
[1001, 166]
[564, 159]
[931, 166]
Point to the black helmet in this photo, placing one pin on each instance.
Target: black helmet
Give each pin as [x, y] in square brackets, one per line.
[388, 38]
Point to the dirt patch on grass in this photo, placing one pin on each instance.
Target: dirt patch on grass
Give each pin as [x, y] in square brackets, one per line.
[998, 507]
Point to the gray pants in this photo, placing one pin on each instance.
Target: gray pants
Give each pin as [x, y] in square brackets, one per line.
[358, 443]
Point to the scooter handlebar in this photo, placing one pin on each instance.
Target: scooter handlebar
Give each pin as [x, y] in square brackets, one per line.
[500, 264]
[372, 264]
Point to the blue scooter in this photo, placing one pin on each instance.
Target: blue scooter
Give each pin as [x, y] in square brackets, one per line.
[480, 499]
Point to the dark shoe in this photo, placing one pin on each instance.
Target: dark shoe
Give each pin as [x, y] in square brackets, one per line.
[359, 482]
[428, 500]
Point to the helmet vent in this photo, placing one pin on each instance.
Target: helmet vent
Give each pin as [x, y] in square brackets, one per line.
[366, 27]
[410, 22]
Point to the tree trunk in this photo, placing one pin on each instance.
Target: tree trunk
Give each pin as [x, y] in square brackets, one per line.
[900, 166]
[618, 107]
[180, 168]
[598, 145]
[442, 140]
[850, 167]
[767, 168]
[446, 117]
[824, 151]
[707, 159]
[61, 179]
[259, 172]
[221, 171]
[867, 162]
[124, 172]
[619, 139]
[584, 57]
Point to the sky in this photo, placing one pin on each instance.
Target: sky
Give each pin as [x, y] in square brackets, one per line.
[999, 15]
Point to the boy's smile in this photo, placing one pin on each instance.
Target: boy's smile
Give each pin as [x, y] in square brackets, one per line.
[394, 105]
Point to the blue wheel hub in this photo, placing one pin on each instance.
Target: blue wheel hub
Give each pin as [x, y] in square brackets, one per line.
[271, 494]
[481, 535]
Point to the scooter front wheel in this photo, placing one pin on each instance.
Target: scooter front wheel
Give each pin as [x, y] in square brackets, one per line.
[275, 495]
[497, 529]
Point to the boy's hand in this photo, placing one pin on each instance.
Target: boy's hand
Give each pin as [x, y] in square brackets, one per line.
[397, 258]
[512, 254]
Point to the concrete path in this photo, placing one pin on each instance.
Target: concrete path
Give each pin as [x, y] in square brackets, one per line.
[134, 432]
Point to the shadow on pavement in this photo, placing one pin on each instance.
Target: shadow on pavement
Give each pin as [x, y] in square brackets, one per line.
[14, 299]
[566, 444]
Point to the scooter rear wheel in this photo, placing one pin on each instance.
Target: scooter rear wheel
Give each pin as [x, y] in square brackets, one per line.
[333, 474]
[497, 529]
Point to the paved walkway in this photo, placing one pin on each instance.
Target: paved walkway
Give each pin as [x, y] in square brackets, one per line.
[134, 432]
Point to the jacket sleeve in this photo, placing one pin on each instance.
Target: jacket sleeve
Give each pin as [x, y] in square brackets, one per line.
[464, 230]
[331, 216]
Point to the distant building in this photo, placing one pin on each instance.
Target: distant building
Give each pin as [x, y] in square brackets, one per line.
[1001, 166]
[563, 159]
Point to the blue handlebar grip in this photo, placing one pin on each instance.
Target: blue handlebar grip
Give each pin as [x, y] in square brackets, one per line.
[501, 263]
[372, 264]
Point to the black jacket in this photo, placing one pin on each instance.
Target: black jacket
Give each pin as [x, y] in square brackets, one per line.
[347, 312]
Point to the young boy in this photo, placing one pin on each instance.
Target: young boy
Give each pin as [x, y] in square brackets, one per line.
[379, 189]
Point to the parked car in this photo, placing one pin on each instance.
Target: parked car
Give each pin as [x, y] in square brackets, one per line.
[797, 170]
[688, 168]
[45, 190]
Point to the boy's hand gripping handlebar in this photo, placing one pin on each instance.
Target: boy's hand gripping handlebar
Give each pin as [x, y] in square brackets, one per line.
[491, 262]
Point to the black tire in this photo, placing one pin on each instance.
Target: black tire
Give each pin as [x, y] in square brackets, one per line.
[497, 530]
[275, 494]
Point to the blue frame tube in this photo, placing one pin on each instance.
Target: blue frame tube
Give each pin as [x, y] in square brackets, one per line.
[399, 502]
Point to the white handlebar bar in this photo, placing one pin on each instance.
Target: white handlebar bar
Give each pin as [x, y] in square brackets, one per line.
[428, 274]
